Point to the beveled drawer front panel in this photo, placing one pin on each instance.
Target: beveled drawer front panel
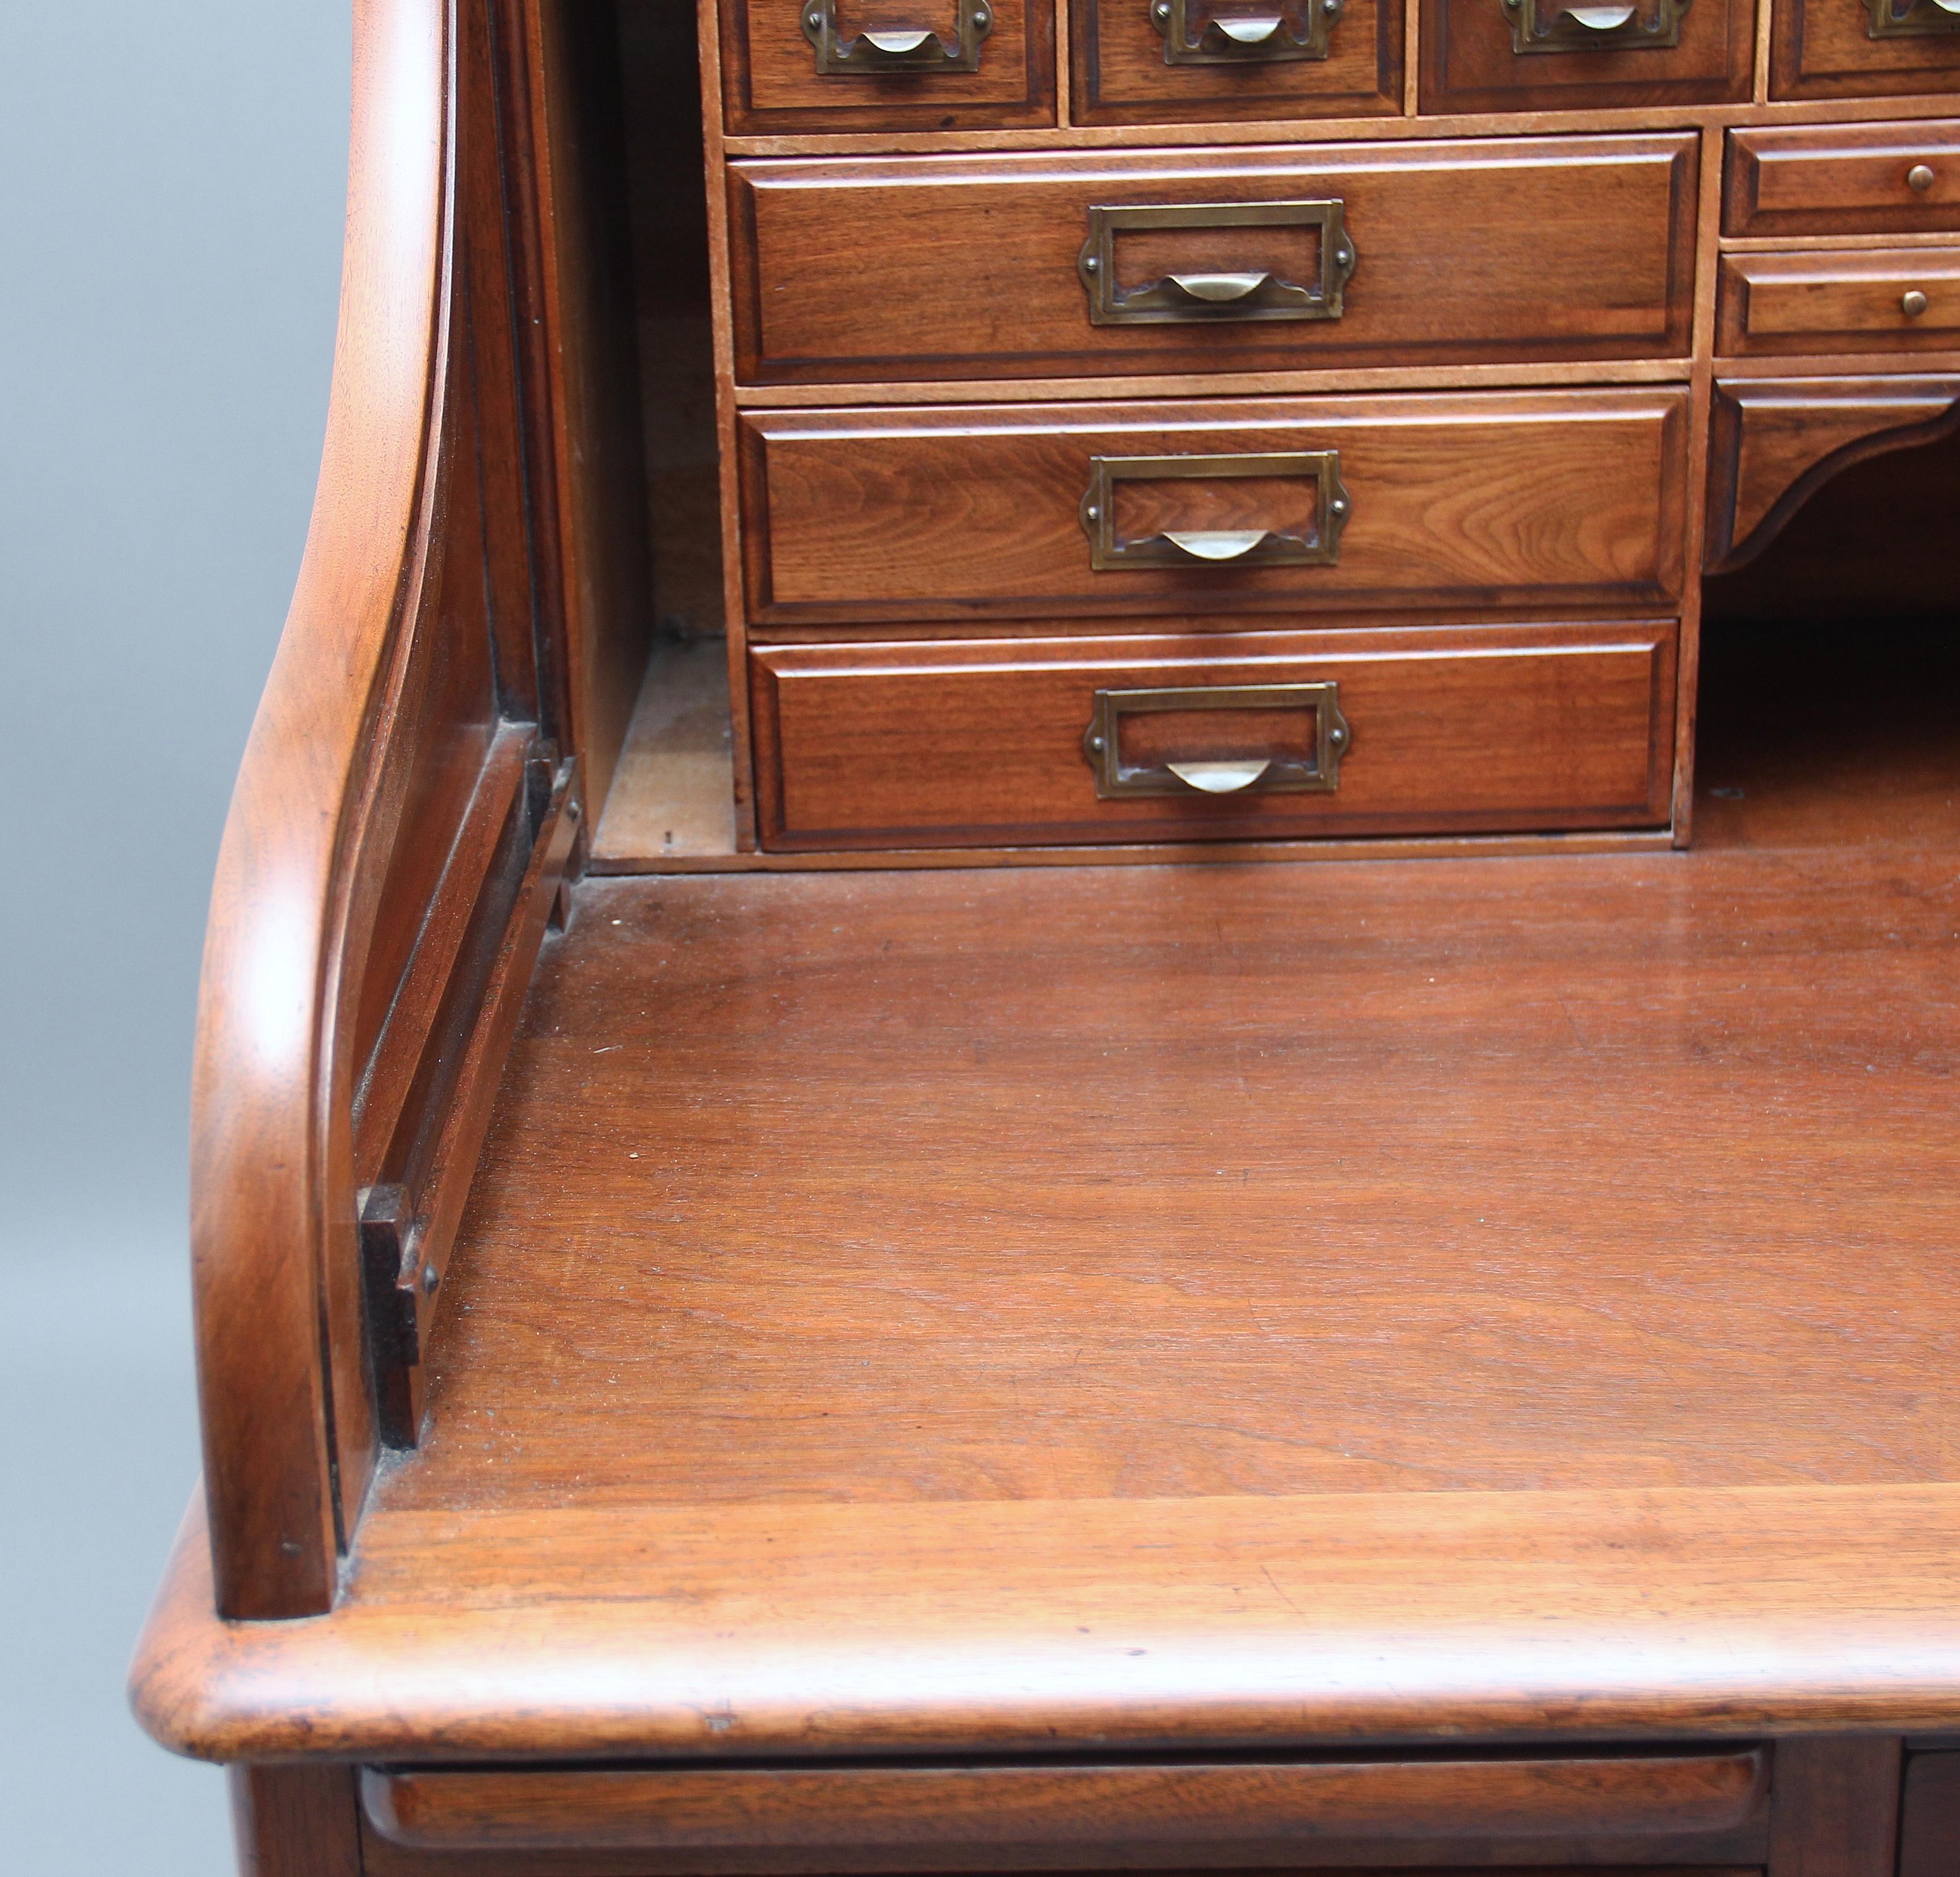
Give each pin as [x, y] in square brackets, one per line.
[1570, 55]
[1545, 500]
[1001, 742]
[946, 1813]
[1829, 48]
[1147, 62]
[886, 64]
[982, 266]
[1843, 179]
[1901, 299]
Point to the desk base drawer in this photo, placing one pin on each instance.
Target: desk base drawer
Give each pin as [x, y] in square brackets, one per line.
[1083, 1816]
[1214, 736]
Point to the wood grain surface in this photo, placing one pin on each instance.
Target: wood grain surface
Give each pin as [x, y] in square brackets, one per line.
[770, 81]
[1393, 1299]
[1775, 444]
[980, 742]
[1524, 499]
[1824, 48]
[1929, 1815]
[1853, 302]
[271, 1184]
[1469, 63]
[296, 1821]
[975, 258]
[1841, 178]
[1121, 76]
[1083, 1815]
[1836, 1808]
[967, 1627]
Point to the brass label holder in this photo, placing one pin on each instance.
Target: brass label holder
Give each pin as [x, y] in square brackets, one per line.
[1225, 775]
[1200, 297]
[1552, 26]
[1319, 545]
[1913, 19]
[889, 49]
[1268, 33]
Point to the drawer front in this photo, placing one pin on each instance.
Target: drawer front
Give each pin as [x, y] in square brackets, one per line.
[1154, 62]
[1544, 500]
[1831, 48]
[886, 64]
[832, 1818]
[1570, 54]
[1074, 264]
[1891, 300]
[1859, 179]
[1198, 738]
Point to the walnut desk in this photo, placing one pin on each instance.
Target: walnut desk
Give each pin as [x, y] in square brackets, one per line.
[763, 1308]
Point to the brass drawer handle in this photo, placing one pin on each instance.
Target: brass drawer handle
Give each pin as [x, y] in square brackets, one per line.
[896, 48]
[1247, 293]
[1547, 26]
[1317, 544]
[1913, 302]
[1217, 289]
[1310, 760]
[1911, 19]
[1196, 33]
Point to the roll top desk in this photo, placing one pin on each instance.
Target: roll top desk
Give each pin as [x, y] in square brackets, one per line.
[818, 1247]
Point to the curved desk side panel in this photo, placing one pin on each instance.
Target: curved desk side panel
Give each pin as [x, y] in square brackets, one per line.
[401, 820]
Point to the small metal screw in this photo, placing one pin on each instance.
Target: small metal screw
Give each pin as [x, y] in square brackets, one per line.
[1092, 512]
[1338, 506]
[1160, 11]
[430, 1278]
[1330, 8]
[572, 811]
[1337, 736]
[980, 18]
[1096, 743]
[1091, 265]
[1919, 177]
[1913, 304]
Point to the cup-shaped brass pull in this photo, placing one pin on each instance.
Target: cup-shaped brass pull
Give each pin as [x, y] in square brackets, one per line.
[1222, 33]
[1307, 535]
[1553, 26]
[1182, 295]
[1218, 289]
[1218, 740]
[878, 52]
[1910, 19]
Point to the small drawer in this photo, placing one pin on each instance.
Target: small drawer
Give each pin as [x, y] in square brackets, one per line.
[1573, 55]
[1076, 264]
[1889, 300]
[1541, 500]
[886, 64]
[1154, 61]
[1201, 736]
[1843, 179]
[1863, 48]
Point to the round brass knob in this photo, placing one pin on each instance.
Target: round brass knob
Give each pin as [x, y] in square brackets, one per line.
[1912, 304]
[1919, 177]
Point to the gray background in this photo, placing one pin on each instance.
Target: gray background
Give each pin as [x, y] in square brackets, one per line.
[169, 223]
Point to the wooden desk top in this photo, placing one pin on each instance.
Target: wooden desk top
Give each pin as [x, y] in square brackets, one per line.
[1254, 1304]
